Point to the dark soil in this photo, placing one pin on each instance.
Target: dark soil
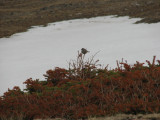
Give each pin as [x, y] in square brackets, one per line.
[19, 15]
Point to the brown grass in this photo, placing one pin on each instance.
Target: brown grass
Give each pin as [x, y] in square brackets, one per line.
[19, 15]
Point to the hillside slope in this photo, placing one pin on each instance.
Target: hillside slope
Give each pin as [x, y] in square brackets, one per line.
[19, 15]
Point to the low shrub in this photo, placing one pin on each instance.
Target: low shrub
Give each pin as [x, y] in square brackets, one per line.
[85, 90]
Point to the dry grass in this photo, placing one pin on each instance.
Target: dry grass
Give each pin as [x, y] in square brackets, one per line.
[19, 15]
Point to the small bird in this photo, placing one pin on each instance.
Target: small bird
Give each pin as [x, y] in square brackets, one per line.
[84, 51]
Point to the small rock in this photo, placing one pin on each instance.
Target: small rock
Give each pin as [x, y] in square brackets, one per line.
[11, 13]
[44, 8]
[149, 2]
[78, 13]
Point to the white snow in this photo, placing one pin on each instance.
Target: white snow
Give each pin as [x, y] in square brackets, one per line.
[32, 53]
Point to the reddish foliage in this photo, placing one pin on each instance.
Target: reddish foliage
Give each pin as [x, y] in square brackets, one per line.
[33, 85]
[128, 89]
[57, 75]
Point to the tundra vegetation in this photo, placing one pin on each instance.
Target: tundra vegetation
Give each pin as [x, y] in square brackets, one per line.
[19, 15]
[86, 90]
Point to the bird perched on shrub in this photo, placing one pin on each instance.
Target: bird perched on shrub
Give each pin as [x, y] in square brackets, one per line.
[84, 51]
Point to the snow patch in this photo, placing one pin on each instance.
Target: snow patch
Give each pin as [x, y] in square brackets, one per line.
[32, 53]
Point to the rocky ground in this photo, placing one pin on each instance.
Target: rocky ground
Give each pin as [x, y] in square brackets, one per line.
[19, 15]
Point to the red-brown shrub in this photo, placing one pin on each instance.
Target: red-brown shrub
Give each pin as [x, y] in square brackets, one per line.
[128, 89]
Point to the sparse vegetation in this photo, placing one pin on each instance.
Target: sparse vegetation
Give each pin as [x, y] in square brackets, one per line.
[86, 90]
[19, 15]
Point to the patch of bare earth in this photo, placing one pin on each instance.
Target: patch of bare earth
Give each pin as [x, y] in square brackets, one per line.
[19, 15]
[130, 117]
[121, 117]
